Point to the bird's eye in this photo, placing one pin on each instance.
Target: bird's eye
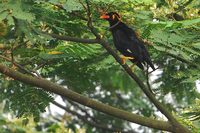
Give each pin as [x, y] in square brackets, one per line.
[113, 16]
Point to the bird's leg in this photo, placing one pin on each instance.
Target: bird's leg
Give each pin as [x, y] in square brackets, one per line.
[125, 57]
[131, 67]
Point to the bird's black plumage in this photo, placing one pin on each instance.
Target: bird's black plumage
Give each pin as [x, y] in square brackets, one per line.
[127, 42]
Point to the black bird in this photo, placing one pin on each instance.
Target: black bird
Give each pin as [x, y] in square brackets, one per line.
[127, 42]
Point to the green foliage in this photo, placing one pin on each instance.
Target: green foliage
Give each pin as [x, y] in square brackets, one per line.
[24, 100]
[192, 112]
[190, 116]
[12, 10]
[174, 48]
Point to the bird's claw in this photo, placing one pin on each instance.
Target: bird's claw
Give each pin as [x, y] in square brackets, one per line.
[123, 58]
[132, 70]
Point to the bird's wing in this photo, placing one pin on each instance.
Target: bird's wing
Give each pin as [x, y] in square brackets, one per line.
[146, 55]
[128, 43]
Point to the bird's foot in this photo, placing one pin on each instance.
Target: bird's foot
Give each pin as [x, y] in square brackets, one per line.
[131, 67]
[125, 57]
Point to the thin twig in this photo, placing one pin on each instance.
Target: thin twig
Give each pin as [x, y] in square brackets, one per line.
[83, 6]
[90, 22]
[16, 48]
[163, 54]
[108, 6]
[147, 75]
[85, 27]
[88, 9]
[19, 66]
[182, 59]
[147, 80]
[163, 66]
[85, 111]
[80, 16]
[38, 67]
[73, 39]
[176, 57]
[36, 73]
[111, 28]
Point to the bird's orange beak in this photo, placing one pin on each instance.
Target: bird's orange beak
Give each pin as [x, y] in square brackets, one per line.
[105, 17]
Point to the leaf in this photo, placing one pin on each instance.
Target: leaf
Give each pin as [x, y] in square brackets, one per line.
[3, 15]
[190, 50]
[196, 118]
[25, 29]
[191, 80]
[72, 5]
[188, 114]
[185, 55]
[23, 15]
[44, 35]
[160, 48]
[6, 107]
[190, 22]
[55, 56]
[17, 11]
[10, 20]
[169, 24]
[196, 45]
[25, 122]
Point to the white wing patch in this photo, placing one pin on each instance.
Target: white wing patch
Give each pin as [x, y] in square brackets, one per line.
[129, 50]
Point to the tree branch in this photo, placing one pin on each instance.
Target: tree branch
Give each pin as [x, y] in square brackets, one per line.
[19, 66]
[78, 15]
[83, 5]
[17, 47]
[182, 59]
[49, 86]
[176, 57]
[90, 21]
[91, 123]
[110, 28]
[73, 39]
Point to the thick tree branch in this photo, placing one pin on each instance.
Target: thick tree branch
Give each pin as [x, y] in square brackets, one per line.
[73, 39]
[49, 86]
[91, 123]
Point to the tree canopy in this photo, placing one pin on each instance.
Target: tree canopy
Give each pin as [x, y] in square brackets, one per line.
[62, 48]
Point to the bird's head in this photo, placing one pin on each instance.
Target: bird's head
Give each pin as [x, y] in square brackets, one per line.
[112, 17]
